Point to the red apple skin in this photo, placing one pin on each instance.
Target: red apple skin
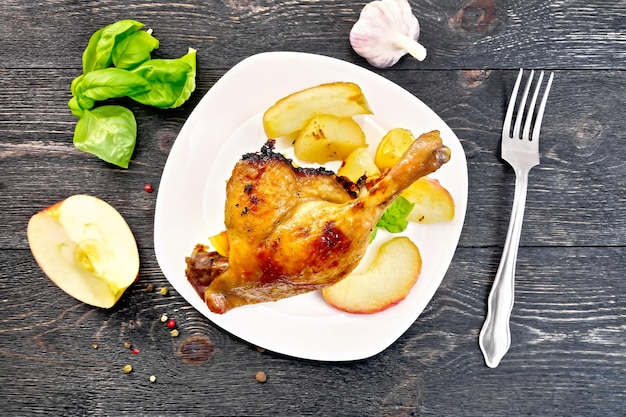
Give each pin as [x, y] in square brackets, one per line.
[433, 203]
[392, 274]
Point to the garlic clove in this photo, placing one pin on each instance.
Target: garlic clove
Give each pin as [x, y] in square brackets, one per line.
[386, 31]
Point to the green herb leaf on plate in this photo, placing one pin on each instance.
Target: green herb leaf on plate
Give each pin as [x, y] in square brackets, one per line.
[394, 218]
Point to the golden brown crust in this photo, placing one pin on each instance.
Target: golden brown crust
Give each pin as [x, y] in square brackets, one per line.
[294, 230]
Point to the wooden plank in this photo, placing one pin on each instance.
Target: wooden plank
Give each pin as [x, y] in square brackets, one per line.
[470, 34]
[566, 358]
[568, 352]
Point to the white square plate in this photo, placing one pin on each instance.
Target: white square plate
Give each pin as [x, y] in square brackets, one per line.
[227, 123]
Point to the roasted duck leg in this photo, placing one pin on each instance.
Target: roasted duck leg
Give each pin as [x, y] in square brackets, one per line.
[294, 230]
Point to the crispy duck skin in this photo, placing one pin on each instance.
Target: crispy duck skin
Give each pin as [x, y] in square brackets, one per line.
[294, 230]
[203, 266]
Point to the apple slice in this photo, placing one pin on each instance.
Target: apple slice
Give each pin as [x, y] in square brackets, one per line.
[86, 248]
[388, 280]
[220, 243]
[433, 203]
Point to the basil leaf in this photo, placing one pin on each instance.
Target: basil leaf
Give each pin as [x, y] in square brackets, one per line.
[98, 53]
[134, 49]
[108, 83]
[75, 107]
[79, 102]
[76, 82]
[394, 218]
[108, 132]
[172, 81]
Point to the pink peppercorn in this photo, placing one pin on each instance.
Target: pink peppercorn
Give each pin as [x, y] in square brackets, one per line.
[171, 323]
[148, 188]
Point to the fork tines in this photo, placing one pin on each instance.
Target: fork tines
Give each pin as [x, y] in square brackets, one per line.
[530, 116]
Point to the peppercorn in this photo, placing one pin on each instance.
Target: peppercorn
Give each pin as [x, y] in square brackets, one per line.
[135, 351]
[152, 378]
[127, 369]
[171, 323]
[127, 345]
[163, 318]
[148, 188]
[261, 377]
[163, 291]
[150, 287]
[174, 333]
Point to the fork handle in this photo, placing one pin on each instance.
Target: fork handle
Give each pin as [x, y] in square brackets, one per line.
[495, 335]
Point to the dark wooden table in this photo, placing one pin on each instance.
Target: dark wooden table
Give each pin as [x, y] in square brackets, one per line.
[568, 355]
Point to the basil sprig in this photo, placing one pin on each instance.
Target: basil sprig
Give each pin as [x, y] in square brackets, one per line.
[117, 63]
[394, 218]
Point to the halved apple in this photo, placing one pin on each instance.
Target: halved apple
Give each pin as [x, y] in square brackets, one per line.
[388, 280]
[432, 202]
[357, 164]
[86, 248]
[291, 113]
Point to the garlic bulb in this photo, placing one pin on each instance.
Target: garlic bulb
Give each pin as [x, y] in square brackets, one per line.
[385, 32]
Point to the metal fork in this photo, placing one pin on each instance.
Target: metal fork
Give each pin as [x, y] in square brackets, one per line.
[522, 153]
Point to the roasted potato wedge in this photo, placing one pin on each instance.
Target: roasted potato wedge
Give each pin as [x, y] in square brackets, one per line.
[291, 113]
[357, 164]
[392, 146]
[328, 138]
